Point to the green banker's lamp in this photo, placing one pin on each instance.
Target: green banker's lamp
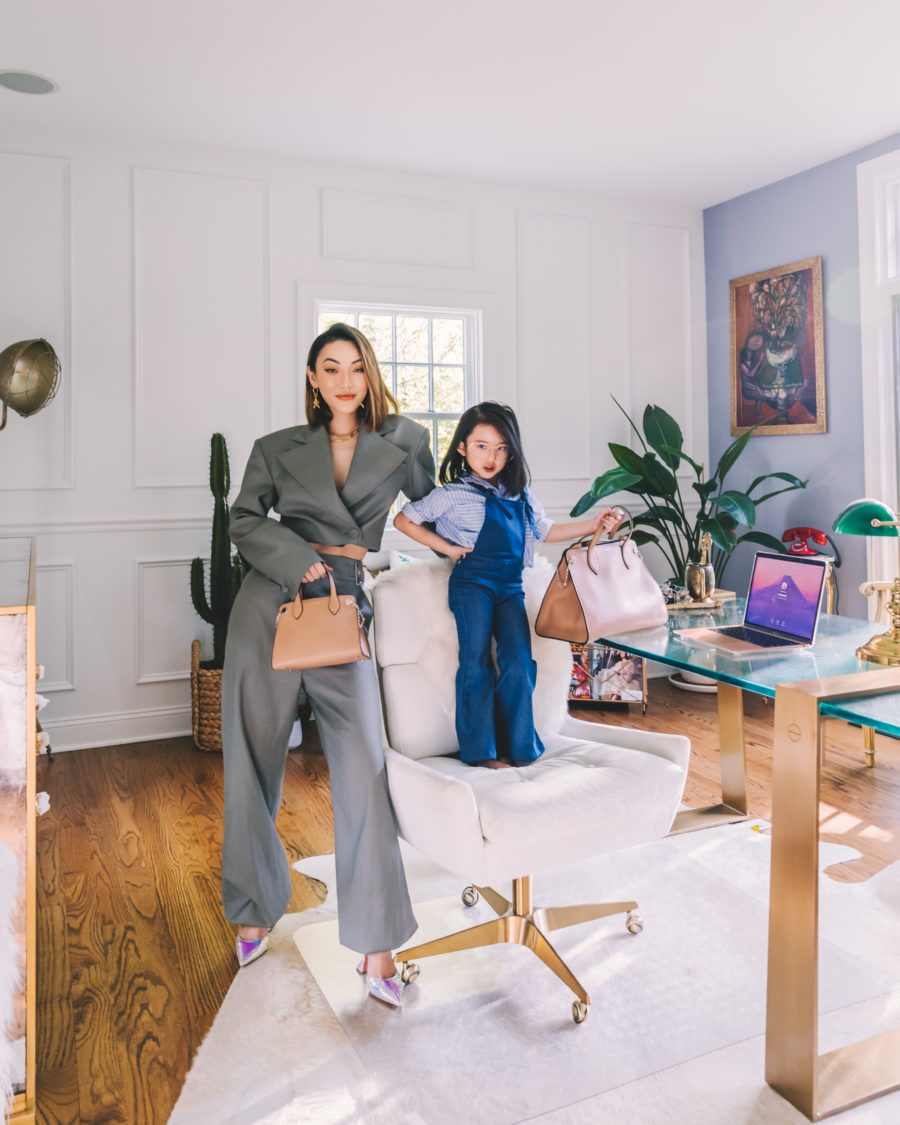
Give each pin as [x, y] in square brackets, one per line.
[29, 377]
[871, 517]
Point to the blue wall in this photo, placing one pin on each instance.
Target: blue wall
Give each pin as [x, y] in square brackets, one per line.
[811, 214]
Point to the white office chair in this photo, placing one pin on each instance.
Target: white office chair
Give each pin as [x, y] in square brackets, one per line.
[596, 788]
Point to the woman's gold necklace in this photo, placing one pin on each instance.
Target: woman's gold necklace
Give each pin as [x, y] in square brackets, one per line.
[343, 437]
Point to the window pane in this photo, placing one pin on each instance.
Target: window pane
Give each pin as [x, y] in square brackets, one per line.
[387, 373]
[378, 329]
[446, 428]
[412, 339]
[412, 386]
[326, 319]
[449, 389]
[447, 341]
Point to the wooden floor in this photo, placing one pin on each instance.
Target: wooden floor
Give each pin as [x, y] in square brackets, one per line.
[135, 956]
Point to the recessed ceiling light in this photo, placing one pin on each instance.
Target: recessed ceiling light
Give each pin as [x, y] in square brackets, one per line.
[26, 82]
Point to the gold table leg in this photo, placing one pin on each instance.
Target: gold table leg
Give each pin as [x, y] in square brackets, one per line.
[869, 746]
[817, 1085]
[731, 764]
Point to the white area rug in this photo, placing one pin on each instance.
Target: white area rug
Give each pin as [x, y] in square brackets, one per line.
[675, 1033]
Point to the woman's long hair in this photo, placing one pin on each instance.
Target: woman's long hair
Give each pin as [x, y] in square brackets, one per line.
[378, 403]
[514, 475]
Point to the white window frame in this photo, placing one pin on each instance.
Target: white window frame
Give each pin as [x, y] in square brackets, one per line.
[878, 186]
[472, 348]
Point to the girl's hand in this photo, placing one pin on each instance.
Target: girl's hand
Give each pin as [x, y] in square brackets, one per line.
[455, 552]
[317, 570]
[607, 520]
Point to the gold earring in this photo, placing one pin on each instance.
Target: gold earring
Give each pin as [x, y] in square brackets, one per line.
[315, 398]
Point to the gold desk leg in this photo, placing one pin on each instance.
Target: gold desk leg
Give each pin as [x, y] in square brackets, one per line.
[792, 998]
[731, 764]
[817, 1085]
[869, 745]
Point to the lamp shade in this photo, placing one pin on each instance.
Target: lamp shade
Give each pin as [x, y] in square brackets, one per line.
[856, 519]
[29, 377]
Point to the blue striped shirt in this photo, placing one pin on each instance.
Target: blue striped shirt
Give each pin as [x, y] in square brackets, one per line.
[457, 511]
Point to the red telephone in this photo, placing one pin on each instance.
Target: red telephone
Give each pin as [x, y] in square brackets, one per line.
[799, 537]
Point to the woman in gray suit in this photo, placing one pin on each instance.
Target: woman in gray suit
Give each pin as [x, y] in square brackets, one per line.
[332, 483]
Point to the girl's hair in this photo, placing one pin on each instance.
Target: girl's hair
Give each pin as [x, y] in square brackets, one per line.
[378, 403]
[514, 475]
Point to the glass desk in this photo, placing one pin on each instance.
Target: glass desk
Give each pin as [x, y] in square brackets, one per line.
[826, 680]
[833, 654]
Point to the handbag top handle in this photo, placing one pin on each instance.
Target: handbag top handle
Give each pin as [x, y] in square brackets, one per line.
[333, 604]
[593, 540]
[621, 540]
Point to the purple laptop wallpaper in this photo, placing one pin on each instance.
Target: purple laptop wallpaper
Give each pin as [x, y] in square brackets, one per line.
[784, 595]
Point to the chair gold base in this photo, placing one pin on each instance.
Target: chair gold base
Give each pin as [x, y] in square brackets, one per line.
[519, 924]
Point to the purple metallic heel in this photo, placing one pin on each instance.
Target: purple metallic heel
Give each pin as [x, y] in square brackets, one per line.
[249, 951]
[385, 989]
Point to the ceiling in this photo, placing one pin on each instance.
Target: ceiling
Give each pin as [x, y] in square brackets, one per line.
[691, 102]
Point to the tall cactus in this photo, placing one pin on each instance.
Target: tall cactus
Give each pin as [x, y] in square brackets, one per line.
[226, 570]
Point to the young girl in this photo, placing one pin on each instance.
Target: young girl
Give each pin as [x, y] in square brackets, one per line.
[487, 519]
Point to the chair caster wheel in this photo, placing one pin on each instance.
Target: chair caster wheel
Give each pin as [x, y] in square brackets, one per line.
[470, 896]
[409, 973]
[633, 923]
[579, 1011]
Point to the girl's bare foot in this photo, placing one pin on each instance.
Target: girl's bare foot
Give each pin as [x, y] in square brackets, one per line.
[492, 764]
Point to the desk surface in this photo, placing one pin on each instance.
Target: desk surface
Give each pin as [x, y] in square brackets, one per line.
[833, 654]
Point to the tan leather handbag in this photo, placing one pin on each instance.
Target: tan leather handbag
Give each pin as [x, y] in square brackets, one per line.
[319, 632]
[600, 589]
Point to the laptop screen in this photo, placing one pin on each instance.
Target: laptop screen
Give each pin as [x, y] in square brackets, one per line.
[784, 595]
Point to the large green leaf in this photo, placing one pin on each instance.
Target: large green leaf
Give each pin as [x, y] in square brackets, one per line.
[698, 469]
[705, 488]
[664, 435]
[627, 458]
[731, 455]
[659, 513]
[764, 540]
[793, 482]
[721, 535]
[642, 538]
[661, 482]
[738, 505]
[613, 480]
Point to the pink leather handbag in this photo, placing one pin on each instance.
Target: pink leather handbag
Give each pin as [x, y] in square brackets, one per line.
[600, 589]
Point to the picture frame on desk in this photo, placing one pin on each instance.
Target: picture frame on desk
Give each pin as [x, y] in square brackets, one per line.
[607, 676]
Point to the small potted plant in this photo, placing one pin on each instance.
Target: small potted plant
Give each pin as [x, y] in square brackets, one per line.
[213, 600]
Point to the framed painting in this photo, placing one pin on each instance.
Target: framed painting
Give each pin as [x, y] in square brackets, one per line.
[777, 350]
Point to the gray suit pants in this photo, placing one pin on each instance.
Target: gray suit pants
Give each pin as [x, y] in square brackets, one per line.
[258, 709]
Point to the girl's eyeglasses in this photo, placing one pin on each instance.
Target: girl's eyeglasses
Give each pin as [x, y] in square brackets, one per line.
[484, 447]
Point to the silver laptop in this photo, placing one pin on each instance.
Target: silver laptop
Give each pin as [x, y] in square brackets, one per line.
[782, 609]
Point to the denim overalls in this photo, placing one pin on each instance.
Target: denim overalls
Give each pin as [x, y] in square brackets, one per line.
[494, 712]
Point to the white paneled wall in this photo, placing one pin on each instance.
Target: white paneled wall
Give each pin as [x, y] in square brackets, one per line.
[177, 286]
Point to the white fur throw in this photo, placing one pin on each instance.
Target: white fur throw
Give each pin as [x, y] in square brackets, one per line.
[11, 1056]
[438, 656]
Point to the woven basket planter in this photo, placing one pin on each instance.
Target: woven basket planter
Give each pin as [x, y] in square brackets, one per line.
[206, 703]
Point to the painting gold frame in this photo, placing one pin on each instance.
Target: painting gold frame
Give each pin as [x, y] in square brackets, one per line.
[778, 351]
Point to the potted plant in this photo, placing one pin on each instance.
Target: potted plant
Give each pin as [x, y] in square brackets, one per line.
[726, 515]
[213, 601]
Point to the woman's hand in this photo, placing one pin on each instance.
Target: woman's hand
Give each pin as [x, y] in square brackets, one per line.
[317, 570]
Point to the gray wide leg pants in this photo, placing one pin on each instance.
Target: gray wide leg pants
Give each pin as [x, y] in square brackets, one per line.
[258, 709]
